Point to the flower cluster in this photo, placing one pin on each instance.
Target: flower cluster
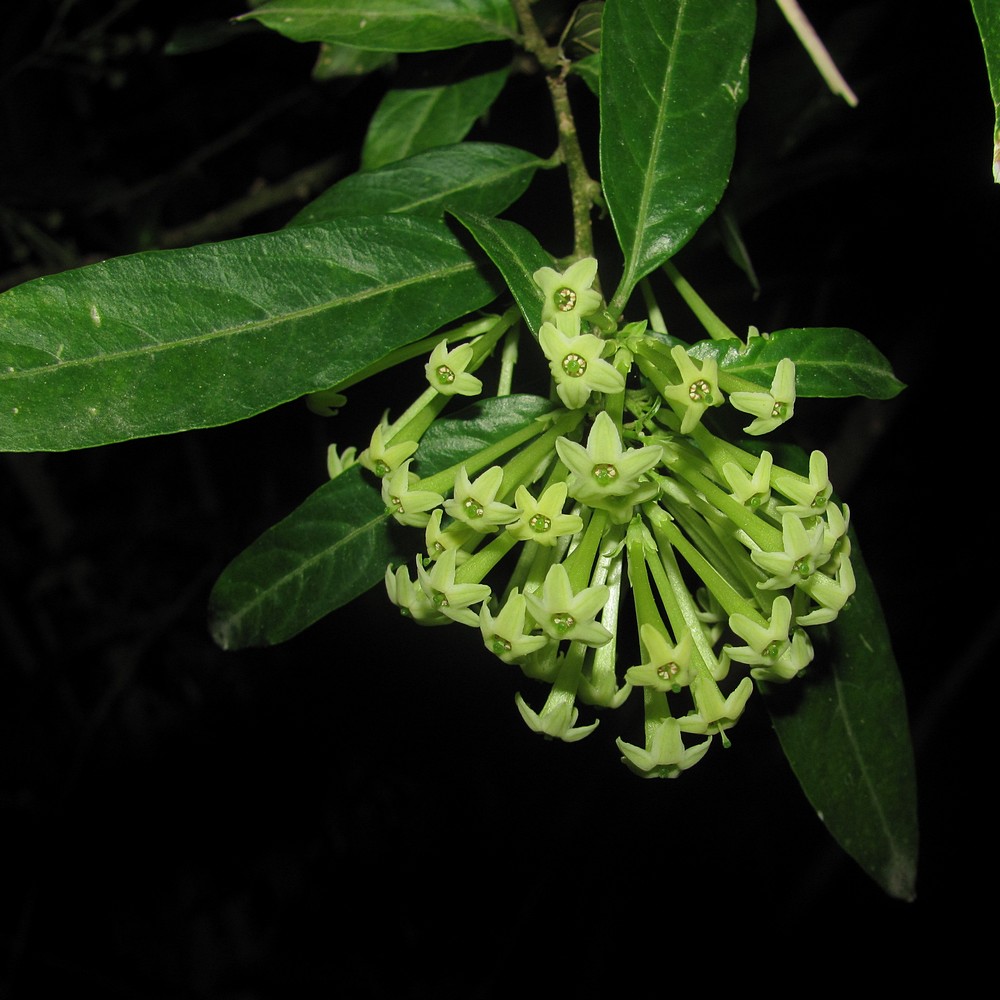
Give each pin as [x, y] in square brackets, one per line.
[618, 499]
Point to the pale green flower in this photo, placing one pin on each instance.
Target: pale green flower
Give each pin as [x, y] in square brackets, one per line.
[773, 408]
[713, 712]
[809, 496]
[505, 635]
[604, 474]
[382, 459]
[668, 667]
[577, 366]
[445, 371]
[751, 491]
[438, 539]
[543, 520]
[568, 297]
[799, 558]
[408, 506]
[697, 390]
[557, 719]
[798, 654]
[411, 599]
[338, 462]
[475, 503]
[563, 614]
[451, 598]
[664, 755]
[765, 643]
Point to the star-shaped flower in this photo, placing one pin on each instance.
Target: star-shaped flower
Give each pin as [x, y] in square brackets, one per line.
[606, 475]
[751, 491]
[697, 390]
[668, 667]
[664, 755]
[577, 366]
[557, 719]
[381, 458]
[765, 643]
[338, 462]
[505, 635]
[475, 503]
[408, 506]
[411, 599]
[451, 598]
[445, 371]
[568, 297]
[563, 614]
[773, 408]
[809, 496]
[713, 712]
[543, 520]
[802, 552]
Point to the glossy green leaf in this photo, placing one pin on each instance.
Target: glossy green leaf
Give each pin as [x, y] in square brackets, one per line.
[413, 120]
[330, 549]
[673, 79]
[469, 176]
[337, 544]
[987, 15]
[844, 729]
[390, 25]
[451, 439]
[336, 61]
[517, 255]
[829, 362]
[171, 340]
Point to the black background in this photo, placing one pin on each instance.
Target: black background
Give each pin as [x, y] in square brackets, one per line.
[361, 811]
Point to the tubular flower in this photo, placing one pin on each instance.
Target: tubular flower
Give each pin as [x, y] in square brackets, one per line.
[338, 462]
[381, 458]
[505, 635]
[563, 614]
[567, 297]
[809, 496]
[542, 520]
[445, 371]
[664, 755]
[451, 598]
[475, 503]
[604, 474]
[772, 408]
[751, 491]
[410, 598]
[799, 558]
[697, 390]
[577, 366]
[668, 667]
[408, 506]
[714, 713]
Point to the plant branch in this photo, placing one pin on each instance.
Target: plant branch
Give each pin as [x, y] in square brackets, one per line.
[584, 190]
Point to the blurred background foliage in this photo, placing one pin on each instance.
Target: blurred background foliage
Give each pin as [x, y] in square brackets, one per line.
[362, 809]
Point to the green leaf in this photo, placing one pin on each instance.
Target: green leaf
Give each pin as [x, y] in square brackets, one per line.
[452, 439]
[390, 25]
[845, 731]
[337, 544]
[411, 121]
[517, 255]
[829, 362]
[475, 176]
[336, 61]
[166, 341]
[673, 79]
[330, 549]
[987, 15]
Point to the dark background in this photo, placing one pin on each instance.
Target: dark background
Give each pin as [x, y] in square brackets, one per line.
[361, 811]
